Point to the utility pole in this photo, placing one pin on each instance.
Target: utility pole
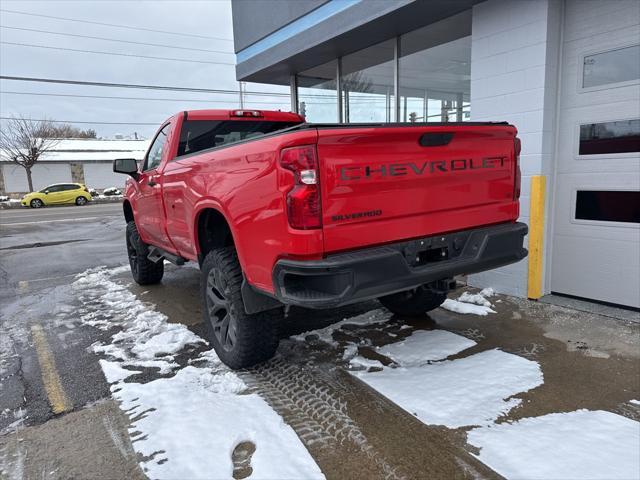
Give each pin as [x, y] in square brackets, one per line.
[240, 88]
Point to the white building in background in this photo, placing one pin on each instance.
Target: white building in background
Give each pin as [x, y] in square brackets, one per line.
[88, 161]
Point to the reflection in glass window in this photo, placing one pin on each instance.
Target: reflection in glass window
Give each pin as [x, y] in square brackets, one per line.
[317, 96]
[608, 206]
[155, 152]
[615, 66]
[367, 84]
[610, 137]
[198, 135]
[435, 72]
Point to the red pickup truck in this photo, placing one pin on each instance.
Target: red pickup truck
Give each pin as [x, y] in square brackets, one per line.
[280, 212]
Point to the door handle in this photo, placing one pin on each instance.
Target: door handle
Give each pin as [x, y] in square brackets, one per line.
[151, 183]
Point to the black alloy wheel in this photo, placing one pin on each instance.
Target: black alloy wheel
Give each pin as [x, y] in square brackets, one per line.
[143, 270]
[240, 339]
[132, 253]
[223, 322]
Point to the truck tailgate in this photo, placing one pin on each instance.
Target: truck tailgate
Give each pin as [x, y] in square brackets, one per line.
[381, 184]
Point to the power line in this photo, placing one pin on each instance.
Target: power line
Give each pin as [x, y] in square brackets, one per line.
[359, 99]
[139, 86]
[113, 53]
[114, 25]
[78, 121]
[115, 40]
[178, 89]
[136, 98]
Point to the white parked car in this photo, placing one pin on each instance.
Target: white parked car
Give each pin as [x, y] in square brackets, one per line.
[111, 191]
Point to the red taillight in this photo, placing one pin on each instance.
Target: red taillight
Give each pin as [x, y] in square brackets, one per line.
[517, 180]
[303, 198]
[246, 113]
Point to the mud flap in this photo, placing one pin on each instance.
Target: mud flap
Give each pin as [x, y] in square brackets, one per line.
[255, 301]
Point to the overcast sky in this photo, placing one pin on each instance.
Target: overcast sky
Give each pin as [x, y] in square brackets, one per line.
[209, 18]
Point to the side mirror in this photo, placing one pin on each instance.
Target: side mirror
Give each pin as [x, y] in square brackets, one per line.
[128, 166]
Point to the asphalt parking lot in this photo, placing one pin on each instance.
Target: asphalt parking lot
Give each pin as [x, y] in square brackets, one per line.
[517, 390]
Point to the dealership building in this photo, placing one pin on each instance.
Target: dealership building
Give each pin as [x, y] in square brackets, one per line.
[566, 73]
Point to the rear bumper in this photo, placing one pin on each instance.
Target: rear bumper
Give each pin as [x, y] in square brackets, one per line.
[370, 273]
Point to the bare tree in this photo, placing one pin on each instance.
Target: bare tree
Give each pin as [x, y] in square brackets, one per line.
[23, 141]
[66, 130]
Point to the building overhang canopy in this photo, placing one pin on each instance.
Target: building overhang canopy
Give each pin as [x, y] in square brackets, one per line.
[335, 29]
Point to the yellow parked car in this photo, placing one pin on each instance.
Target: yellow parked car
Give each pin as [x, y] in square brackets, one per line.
[58, 194]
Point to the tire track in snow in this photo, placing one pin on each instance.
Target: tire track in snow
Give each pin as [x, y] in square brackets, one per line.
[315, 411]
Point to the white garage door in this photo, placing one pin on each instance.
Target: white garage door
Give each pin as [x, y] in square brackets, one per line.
[100, 175]
[42, 174]
[596, 244]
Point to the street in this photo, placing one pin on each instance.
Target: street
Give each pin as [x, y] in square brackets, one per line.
[87, 391]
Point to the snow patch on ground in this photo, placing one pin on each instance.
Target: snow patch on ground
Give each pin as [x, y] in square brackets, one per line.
[187, 425]
[326, 334]
[362, 362]
[424, 346]
[145, 338]
[350, 351]
[487, 292]
[461, 307]
[580, 444]
[190, 423]
[474, 390]
[113, 372]
[635, 402]
[471, 303]
[475, 298]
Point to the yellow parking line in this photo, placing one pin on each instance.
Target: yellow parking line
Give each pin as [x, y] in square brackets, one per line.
[50, 378]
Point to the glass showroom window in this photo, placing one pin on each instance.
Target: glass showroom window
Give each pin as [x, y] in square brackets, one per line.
[435, 74]
[367, 84]
[317, 95]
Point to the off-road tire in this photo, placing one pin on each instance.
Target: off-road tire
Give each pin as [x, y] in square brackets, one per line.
[36, 203]
[414, 302]
[143, 270]
[80, 201]
[255, 335]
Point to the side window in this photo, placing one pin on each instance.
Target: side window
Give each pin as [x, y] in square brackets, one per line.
[54, 188]
[157, 147]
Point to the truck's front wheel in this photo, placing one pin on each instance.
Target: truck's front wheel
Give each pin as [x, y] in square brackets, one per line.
[415, 302]
[143, 270]
[240, 339]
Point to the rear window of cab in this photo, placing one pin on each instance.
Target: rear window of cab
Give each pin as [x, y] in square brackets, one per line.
[198, 135]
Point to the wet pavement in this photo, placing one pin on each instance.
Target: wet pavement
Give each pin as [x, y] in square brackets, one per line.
[59, 417]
